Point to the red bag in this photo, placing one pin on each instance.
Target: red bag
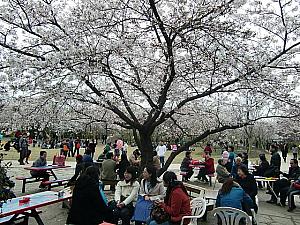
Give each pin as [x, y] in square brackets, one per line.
[59, 160]
[296, 185]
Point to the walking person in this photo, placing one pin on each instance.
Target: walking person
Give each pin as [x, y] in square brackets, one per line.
[295, 150]
[284, 151]
[161, 150]
[23, 144]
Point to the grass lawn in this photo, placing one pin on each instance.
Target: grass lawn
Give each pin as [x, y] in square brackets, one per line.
[197, 154]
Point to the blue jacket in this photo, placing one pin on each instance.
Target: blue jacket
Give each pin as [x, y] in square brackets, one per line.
[236, 198]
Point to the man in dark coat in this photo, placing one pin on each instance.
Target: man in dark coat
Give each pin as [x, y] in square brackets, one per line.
[282, 185]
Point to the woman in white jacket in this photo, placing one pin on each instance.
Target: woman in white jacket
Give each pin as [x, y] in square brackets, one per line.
[125, 196]
[151, 189]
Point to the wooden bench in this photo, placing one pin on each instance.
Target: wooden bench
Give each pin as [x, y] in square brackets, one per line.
[55, 183]
[20, 219]
[27, 180]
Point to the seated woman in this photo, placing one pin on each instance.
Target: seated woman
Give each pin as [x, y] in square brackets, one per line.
[177, 201]
[125, 196]
[208, 169]
[88, 206]
[248, 183]
[151, 189]
[122, 166]
[232, 195]
[222, 173]
[78, 170]
[236, 165]
[185, 165]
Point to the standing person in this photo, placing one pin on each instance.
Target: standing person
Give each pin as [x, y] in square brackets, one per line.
[123, 164]
[161, 150]
[71, 147]
[125, 196]
[65, 148]
[262, 168]
[295, 150]
[185, 165]
[88, 205]
[40, 162]
[284, 151]
[248, 183]
[77, 147]
[231, 158]
[92, 148]
[23, 144]
[177, 201]
[275, 163]
[7, 146]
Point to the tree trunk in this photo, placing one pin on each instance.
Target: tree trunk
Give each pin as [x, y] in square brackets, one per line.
[146, 149]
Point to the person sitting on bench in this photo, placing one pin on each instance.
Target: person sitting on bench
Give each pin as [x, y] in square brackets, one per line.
[185, 165]
[40, 162]
[208, 169]
[109, 168]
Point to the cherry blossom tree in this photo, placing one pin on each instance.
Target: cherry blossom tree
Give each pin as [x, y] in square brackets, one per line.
[150, 63]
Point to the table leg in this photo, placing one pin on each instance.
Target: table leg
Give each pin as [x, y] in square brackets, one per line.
[37, 217]
[273, 192]
[53, 174]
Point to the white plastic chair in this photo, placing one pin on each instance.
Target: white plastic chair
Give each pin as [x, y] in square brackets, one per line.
[198, 206]
[231, 216]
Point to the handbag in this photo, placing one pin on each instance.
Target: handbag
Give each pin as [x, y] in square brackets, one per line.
[296, 185]
[159, 214]
[142, 209]
[59, 160]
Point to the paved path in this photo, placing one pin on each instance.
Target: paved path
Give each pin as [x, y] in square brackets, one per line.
[54, 214]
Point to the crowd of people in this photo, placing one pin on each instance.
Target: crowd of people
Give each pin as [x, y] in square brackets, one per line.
[168, 197]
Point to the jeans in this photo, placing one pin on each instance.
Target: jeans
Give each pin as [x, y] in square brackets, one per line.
[162, 160]
[153, 222]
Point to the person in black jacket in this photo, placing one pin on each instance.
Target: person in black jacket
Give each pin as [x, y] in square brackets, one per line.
[122, 166]
[88, 206]
[275, 158]
[282, 185]
[78, 170]
[262, 168]
[248, 183]
[185, 165]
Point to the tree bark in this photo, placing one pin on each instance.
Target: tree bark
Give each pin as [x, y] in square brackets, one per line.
[146, 149]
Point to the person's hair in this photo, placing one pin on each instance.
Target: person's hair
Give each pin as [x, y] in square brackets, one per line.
[227, 186]
[93, 172]
[153, 178]
[245, 155]
[208, 144]
[244, 169]
[133, 171]
[231, 147]
[79, 158]
[188, 153]
[42, 153]
[240, 155]
[295, 161]
[109, 155]
[262, 157]
[220, 161]
[238, 159]
[170, 178]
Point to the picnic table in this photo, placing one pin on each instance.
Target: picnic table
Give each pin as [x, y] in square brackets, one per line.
[269, 181]
[49, 168]
[13, 208]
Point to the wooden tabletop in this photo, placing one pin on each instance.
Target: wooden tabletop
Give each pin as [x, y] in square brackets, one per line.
[44, 168]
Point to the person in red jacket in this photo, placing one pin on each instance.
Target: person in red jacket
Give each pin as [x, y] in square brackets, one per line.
[208, 169]
[177, 201]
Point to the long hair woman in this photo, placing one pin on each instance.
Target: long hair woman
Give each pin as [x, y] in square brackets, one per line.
[177, 201]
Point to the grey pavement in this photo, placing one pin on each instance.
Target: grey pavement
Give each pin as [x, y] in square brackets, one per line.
[55, 214]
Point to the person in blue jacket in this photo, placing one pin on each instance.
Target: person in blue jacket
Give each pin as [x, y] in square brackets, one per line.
[232, 195]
